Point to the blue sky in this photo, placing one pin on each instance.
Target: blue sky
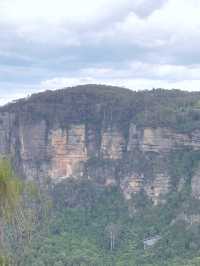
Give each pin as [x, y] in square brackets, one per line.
[139, 44]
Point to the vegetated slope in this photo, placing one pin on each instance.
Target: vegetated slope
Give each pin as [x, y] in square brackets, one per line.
[93, 102]
[122, 169]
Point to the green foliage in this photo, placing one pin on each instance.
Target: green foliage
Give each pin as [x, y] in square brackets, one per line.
[10, 199]
[106, 105]
[81, 234]
[10, 189]
[4, 261]
[85, 216]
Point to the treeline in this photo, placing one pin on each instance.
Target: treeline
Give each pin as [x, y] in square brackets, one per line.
[108, 105]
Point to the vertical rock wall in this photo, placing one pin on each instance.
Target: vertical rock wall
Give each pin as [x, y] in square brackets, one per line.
[61, 152]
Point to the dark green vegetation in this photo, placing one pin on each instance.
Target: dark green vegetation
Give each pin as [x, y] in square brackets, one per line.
[106, 104]
[84, 223]
[101, 229]
[87, 224]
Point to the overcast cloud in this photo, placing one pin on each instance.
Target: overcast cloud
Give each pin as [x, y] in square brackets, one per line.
[140, 44]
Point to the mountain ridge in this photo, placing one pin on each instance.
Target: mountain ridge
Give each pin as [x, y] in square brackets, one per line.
[60, 134]
[114, 161]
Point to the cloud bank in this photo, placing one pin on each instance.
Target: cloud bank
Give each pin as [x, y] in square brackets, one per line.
[138, 44]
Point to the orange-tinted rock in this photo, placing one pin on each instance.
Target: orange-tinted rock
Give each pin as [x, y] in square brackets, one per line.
[68, 150]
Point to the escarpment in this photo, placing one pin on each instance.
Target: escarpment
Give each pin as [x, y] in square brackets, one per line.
[104, 134]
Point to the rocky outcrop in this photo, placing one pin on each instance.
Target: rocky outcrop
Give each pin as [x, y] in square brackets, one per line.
[63, 137]
[158, 188]
[32, 141]
[59, 153]
[132, 184]
[161, 140]
[67, 151]
[112, 144]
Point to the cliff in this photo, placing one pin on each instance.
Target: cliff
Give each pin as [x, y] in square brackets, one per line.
[113, 136]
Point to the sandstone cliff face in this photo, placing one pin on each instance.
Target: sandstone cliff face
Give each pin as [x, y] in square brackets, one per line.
[68, 151]
[162, 140]
[62, 150]
[63, 153]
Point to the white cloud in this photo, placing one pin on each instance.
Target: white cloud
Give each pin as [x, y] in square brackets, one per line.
[136, 76]
[72, 11]
[131, 83]
[176, 25]
[133, 43]
[66, 20]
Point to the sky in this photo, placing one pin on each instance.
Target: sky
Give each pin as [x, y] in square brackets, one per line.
[138, 44]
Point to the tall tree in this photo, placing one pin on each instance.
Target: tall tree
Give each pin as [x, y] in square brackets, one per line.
[113, 231]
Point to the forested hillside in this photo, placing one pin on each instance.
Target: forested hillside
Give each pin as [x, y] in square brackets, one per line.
[111, 177]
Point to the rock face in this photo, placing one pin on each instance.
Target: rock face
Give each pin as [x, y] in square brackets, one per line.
[63, 140]
[162, 140]
[112, 144]
[68, 151]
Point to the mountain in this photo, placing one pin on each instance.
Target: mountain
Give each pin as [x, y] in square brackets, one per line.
[145, 145]
[112, 135]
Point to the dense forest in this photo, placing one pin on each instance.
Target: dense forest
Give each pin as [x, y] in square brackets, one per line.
[97, 227]
[82, 223]
[97, 103]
